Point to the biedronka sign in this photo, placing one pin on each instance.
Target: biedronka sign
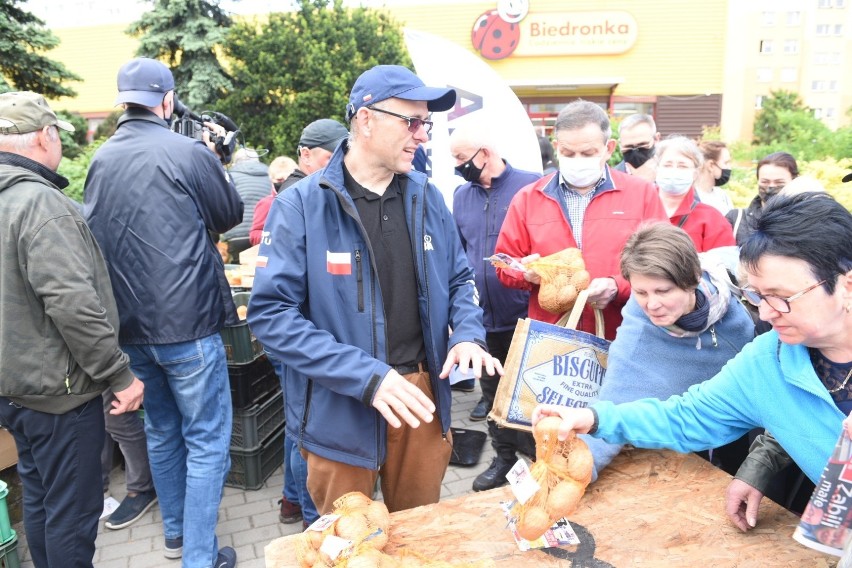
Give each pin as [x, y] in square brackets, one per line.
[496, 35]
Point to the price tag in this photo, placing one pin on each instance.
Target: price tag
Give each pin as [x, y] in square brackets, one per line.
[334, 545]
[522, 482]
[323, 522]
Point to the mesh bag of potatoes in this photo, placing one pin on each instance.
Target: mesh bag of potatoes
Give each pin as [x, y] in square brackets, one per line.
[362, 522]
[562, 470]
[563, 276]
[354, 535]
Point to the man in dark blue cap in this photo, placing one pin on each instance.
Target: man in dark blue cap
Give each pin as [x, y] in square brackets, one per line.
[151, 199]
[358, 286]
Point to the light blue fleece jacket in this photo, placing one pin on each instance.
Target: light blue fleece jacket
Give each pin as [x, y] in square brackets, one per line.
[648, 361]
[769, 384]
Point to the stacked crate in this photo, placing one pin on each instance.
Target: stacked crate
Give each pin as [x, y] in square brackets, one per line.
[257, 437]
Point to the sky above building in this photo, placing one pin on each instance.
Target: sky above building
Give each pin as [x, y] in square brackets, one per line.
[79, 13]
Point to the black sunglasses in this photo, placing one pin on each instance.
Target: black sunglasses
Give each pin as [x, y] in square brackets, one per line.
[414, 123]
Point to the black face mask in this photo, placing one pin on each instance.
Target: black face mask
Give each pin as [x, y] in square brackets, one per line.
[724, 178]
[637, 157]
[469, 171]
[277, 185]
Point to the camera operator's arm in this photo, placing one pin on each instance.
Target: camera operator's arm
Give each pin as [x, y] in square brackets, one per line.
[217, 199]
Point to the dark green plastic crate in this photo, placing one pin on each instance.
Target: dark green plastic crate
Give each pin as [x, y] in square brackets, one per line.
[241, 346]
[256, 423]
[252, 382]
[251, 468]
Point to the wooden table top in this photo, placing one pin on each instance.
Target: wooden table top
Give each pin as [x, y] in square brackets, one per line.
[649, 508]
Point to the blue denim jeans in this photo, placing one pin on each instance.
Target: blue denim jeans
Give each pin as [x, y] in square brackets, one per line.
[188, 425]
[296, 473]
[59, 466]
[295, 466]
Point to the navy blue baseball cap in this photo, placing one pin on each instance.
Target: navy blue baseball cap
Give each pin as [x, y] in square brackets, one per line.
[144, 81]
[395, 81]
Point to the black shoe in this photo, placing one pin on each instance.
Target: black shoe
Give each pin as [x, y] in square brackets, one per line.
[131, 509]
[466, 385]
[227, 558]
[494, 476]
[480, 412]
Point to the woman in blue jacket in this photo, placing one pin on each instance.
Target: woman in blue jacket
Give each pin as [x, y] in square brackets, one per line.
[795, 381]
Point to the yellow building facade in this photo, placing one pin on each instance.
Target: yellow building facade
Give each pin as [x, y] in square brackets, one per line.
[689, 64]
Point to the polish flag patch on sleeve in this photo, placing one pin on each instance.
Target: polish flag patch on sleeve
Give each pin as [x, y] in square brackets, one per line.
[339, 263]
[261, 261]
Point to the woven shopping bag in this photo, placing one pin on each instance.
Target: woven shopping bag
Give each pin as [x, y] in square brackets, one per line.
[552, 364]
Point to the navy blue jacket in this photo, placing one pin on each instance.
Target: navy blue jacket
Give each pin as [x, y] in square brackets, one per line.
[317, 306]
[151, 197]
[479, 214]
[251, 178]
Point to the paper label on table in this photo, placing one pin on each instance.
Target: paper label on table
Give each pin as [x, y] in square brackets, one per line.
[323, 522]
[334, 545]
[522, 482]
[560, 534]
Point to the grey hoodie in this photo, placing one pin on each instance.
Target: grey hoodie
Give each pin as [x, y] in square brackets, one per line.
[58, 337]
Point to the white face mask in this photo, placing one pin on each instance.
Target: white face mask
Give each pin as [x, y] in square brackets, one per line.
[580, 172]
[674, 181]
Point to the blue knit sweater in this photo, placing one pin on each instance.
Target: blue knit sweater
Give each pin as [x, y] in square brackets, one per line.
[648, 361]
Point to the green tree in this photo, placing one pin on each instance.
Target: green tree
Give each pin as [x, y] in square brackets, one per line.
[76, 170]
[73, 142]
[779, 108]
[107, 128]
[299, 66]
[185, 35]
[23, 65]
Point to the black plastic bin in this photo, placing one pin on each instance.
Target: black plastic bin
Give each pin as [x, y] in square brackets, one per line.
[252, 382]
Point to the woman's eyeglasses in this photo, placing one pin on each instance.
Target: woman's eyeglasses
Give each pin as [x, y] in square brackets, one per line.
[414, 123]
[777, 303]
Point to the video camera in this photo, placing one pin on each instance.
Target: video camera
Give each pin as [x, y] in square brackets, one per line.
[191, 125]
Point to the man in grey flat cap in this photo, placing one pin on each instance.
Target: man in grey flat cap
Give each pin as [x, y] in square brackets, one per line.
[58, 342]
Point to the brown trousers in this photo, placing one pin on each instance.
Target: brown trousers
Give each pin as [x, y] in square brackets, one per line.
[417, 459]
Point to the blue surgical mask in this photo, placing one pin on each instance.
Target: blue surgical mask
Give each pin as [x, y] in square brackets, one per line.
[675, 181]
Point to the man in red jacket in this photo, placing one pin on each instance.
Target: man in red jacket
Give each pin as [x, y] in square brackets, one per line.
[586, 205]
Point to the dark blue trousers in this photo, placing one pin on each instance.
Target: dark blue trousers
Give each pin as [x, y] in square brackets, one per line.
[59, 463]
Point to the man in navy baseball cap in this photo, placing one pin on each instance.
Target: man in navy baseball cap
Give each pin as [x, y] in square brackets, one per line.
[388, 279]
[144, 81]
[383, 82]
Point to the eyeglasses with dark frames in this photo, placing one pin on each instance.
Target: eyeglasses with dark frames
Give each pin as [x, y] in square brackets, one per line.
[777, 303]
[414, 123]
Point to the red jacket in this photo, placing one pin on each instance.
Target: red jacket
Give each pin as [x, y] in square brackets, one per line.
[707, 227]
[536, 223]
[261, 210]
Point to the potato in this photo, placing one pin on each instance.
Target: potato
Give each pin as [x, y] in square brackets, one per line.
[581, 279]
[580, 462]
[564, 498]
[352, 500]
[352, 526]
[378, 515]
[533, 522]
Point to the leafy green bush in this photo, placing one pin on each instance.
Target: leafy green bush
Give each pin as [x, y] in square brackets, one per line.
[76, 169]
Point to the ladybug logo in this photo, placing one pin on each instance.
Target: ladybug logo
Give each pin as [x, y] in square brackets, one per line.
[494, 37]
[513, 11]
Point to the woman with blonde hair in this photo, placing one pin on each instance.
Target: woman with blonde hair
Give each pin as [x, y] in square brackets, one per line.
[679, 162]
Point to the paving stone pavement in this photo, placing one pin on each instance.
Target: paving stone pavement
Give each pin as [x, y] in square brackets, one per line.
[248, 520]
